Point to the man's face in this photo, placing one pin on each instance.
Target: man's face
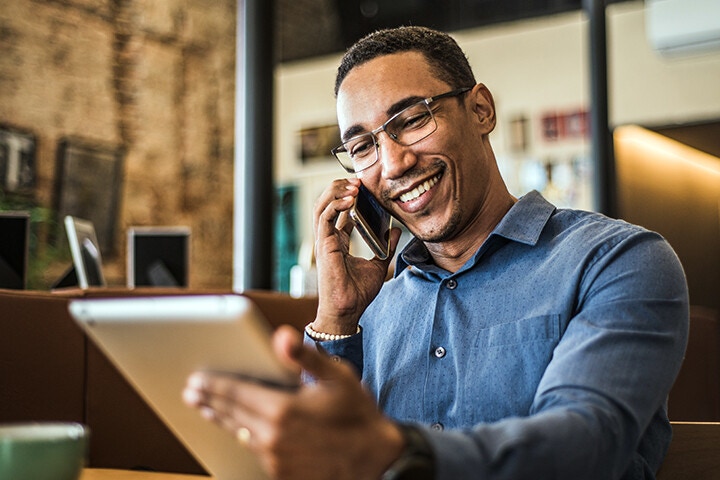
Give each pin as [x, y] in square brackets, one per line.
[436, 187]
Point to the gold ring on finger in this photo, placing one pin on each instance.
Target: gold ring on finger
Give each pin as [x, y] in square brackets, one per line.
[243, 435]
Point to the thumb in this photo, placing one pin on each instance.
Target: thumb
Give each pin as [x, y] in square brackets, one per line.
[291, 350]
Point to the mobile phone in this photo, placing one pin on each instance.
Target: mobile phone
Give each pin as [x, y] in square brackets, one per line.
[373, 223]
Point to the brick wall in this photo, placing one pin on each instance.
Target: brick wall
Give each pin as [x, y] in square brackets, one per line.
[151, 78]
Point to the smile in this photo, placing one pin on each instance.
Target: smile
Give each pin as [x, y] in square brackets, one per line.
[420, 189]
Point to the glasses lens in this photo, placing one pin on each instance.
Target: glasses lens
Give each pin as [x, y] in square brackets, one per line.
[358, 153]
[412, 124]
[406, 128]
[344, 160]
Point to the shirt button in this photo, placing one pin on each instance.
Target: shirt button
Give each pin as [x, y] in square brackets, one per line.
[452, 284]
[440, 352]
[438, 427]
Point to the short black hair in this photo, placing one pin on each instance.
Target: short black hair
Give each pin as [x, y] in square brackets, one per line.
[447, 60]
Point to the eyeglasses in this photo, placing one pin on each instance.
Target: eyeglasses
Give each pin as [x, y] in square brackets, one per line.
[406, 128]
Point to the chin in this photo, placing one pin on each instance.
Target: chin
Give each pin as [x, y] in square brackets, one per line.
[437, 227]
[438, 233]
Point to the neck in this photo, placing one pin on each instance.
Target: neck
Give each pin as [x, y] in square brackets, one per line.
[452, 254]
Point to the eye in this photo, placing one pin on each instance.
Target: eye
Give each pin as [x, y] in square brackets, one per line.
[414, 120]
[361, 147]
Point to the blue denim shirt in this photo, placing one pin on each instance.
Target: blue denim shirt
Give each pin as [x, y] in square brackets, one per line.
[550, 354]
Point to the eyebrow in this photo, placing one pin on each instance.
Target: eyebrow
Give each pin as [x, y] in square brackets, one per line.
[396, 107]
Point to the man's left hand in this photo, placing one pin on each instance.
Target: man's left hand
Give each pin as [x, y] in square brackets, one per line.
[329, 429]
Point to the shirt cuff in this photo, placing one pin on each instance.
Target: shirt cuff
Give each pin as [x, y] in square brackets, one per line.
[349, 349]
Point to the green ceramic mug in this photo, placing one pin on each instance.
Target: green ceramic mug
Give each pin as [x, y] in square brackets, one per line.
[42, 451]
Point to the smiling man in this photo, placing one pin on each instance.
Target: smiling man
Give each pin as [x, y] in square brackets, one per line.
[516, 341]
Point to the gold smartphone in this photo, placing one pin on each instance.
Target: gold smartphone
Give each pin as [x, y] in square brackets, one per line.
[373, 223]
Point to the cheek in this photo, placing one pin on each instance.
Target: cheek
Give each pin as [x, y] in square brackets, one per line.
[446, 142]
[371, 180]
[368, 179]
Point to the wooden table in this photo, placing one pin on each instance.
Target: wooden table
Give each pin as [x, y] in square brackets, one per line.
[110, 474]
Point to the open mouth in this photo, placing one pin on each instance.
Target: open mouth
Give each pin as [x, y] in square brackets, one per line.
[420, 189]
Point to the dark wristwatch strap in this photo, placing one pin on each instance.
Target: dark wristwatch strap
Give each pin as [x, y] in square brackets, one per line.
[417, 460]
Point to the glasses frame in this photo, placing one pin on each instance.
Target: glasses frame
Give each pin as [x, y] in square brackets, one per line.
[340, 149]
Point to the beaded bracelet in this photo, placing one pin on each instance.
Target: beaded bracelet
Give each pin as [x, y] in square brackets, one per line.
[326, 337]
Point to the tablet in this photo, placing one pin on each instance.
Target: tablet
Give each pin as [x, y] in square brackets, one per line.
[85, 252]
[157, 342]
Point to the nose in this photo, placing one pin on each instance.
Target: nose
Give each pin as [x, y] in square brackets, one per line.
[395, 159]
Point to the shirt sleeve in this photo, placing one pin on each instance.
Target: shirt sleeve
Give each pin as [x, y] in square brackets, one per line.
[598, 412]
[350, 349]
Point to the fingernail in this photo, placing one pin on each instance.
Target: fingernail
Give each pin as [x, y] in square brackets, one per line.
[196, 381]
[191, 396]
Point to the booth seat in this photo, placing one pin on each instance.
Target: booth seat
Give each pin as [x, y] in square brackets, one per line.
[694, 452]
[50, 371]
[695, 396]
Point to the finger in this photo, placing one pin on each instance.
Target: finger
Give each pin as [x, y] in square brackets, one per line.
[342, 190]
[345, 223]
[286, 341]
[245, 428]
[196, 397]
[338, 188]
[247, 410]
[229, 396]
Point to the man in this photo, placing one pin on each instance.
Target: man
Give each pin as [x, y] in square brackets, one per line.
[516, 340]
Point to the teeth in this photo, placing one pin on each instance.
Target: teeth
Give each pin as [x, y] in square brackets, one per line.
[419, 190]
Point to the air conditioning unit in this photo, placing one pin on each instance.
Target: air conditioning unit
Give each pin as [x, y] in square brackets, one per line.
[677, 27]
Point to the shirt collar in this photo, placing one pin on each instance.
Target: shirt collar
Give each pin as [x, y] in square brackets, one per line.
[523, 223]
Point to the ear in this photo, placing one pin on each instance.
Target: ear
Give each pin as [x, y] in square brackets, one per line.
[483, 107]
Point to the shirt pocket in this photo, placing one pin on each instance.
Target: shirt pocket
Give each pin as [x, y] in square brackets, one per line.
[506, 364]
[528, 330]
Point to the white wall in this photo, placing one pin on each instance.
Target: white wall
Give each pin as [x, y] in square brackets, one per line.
[532, 67]
[304, 93]
[649, 89]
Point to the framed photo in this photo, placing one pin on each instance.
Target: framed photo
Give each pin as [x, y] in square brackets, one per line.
[14, 241]
[518, 135]
[89, 177]
[577, 124]
[571, 124]
[316, 143]
[551, 127]
[158, 257]
[17, 161]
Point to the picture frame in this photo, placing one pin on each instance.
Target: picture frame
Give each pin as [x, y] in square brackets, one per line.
[518, 134]
[17, 161]
[158, 256]
[88, 182]
[14, 249]
[316, 143]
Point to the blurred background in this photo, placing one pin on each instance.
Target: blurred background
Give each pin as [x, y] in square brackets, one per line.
[124, 112]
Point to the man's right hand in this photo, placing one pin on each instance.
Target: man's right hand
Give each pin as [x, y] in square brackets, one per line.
[346, 284]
